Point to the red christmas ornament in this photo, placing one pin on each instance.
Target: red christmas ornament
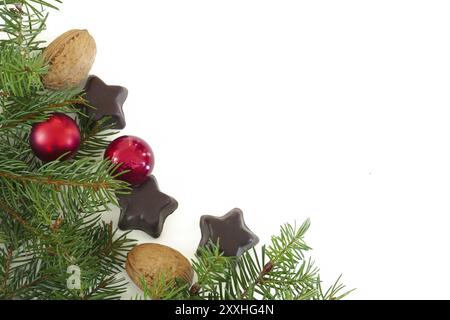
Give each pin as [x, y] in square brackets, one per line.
[135, 156]
[55, 137]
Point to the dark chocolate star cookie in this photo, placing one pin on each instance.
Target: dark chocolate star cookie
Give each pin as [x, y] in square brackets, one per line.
[107, 100]
[230, 231]
[146, 208]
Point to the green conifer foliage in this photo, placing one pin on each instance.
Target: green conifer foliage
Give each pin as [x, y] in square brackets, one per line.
[50, 214]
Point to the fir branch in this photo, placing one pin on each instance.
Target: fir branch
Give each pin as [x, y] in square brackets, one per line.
[286, 276]
[26, 286]
[102, 285]
[50, 214]
[166, 288]
[48, 280]
[260, 279]
[289, 244]
[43, 180]
[24, 112]
[41, 235]
[95, 136]
[23, 20]
[11, 212]
[6, 268]
[20, 75]
[81, 185]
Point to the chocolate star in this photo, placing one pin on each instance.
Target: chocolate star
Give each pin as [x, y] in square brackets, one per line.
[146, 208]
[107, 100]
[230, 231]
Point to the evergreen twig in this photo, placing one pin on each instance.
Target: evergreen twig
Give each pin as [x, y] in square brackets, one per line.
[287, 275]
[50, 214]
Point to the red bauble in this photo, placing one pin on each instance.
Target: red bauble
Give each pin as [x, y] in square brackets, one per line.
[135, 156]
[55, 137]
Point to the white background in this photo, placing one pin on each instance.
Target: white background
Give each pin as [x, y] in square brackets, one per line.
[333, 110]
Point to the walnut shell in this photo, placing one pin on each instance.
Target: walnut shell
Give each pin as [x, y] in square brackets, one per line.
[70, 57]
[152, 261]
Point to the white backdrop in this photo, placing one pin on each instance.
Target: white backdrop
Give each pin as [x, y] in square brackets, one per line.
[333, 110]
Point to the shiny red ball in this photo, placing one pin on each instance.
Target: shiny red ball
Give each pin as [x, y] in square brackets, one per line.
[55, 137]
[135, 156]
